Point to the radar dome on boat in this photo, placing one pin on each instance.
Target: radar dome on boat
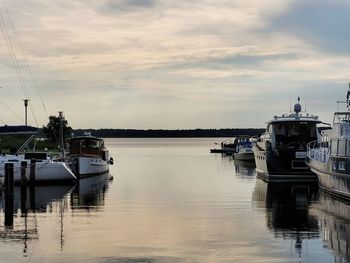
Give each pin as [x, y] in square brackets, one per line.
[297, 106]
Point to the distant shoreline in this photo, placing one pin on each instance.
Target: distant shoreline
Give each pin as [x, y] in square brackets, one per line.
[160, 133]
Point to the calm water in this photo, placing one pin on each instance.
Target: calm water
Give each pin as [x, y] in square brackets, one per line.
[173, 201]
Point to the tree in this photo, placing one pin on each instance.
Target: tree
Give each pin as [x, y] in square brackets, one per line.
[52, 129]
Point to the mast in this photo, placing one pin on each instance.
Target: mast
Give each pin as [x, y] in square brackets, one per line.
[347, 98]
[60, 133]
[26, 111]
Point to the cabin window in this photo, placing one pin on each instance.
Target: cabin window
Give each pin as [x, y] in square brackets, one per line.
[83, 144]
[94, 144]
[334, 166]
[341, 147]
[90, 144]
[334, 147]
[341, 166]
[294, 133]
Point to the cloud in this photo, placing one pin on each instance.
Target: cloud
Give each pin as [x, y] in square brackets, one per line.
[176, 64]
[129, 4]
[324, 24]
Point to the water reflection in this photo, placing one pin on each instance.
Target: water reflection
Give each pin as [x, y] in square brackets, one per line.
[287, 210]
[89, 193]
[29, 207]
[244, 169]
[22, 209]
[334, 221]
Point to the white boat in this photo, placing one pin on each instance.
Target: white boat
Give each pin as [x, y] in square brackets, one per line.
[330, 158]
[87, 156]
[244, 151]
[46, 169]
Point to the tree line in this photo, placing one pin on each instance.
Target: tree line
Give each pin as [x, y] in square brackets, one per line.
[51, 130]
[158, 133]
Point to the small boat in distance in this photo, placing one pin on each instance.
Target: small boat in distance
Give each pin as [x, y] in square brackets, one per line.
[281, 151]
[87, 156]
[229, 146]
[244, 150]
[330, 158]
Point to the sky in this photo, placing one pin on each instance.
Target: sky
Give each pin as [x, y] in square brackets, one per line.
[161, 64]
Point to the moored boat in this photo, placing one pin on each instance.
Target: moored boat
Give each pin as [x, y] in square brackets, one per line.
[281, 151]
[45, 169]
[244, 151]
[87, 156]
[230, 146]
[330, 158]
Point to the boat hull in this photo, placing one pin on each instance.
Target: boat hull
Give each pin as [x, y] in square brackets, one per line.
[46, 171]
[244, 156]
[272, 166]
[84, 167]
[333, 182]
[228, 150]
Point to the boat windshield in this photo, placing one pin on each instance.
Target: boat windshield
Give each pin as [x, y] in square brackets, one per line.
[245, 144]
[294, 134]
[85, 146]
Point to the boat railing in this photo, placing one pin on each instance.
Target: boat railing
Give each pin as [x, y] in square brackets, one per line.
[318, 151]
[263, 137]
[25, 144]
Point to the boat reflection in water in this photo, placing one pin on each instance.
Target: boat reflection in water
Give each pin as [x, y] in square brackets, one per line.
[287, 210]
[244, 169]
[32, 208]
[89, 193]
[334, 221]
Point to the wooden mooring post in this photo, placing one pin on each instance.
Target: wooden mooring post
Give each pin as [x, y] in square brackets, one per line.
[32, 172]
[23, 187]
[9, 202]
[32, 183]
[23, 173]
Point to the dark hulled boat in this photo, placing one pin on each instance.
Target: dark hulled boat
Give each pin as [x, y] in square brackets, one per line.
[281, 151]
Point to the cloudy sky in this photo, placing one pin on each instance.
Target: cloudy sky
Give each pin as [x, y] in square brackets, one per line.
[172, 64]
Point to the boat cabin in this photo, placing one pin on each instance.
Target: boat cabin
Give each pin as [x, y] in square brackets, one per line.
[232, 145]
[86, 146]
[290, 134]
[338, 138]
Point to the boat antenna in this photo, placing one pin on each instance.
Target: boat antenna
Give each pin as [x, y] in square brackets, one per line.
[347, 98]
[305, 103]
[290, 103]
[347, 101]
